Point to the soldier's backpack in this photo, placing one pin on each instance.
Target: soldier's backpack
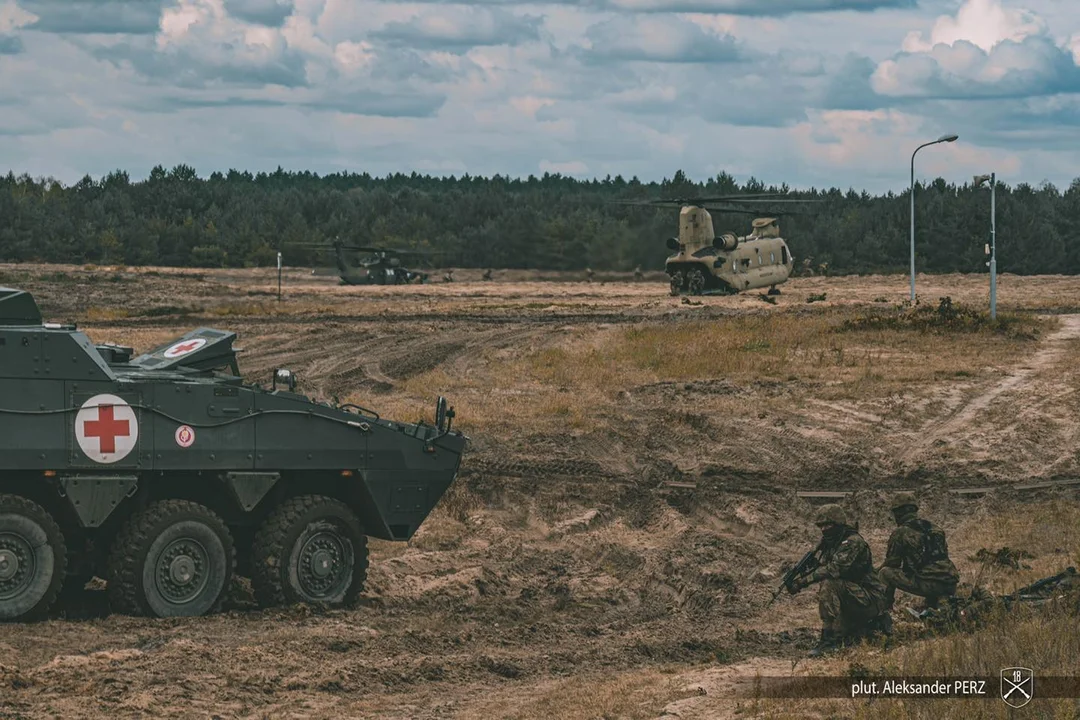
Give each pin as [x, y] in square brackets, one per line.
[934, 546]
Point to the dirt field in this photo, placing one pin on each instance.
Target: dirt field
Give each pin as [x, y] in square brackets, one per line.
[627, 500]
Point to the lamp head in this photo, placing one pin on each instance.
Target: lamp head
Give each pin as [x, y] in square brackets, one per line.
[948, 138]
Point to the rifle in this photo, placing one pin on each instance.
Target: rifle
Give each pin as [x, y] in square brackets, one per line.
[1029, 592]
[810, 562]
[1034, 593]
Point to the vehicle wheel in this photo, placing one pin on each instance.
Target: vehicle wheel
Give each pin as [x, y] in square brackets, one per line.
[695, 282]
[677, 281]
[32, 559]
[774, 291]
[310, 550]
[174, 559]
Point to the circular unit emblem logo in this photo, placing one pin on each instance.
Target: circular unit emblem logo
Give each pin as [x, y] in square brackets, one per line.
[185, 436]
[184, 347]
[106, 428]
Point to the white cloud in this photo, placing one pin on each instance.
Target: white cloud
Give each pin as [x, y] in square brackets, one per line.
[983, 23]
[1074, 46]
[882, 142]
[755, 7]
[205, 25]
[461, 27]
[986, 50]
[528, 105]
[351, 57]
[13, 17]
[658, 39]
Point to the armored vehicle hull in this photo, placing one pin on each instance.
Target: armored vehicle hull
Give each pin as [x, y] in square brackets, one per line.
[166, 473]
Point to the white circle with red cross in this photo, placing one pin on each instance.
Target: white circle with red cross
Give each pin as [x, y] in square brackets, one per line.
[185, 436]
[184, 347]
[106, 428]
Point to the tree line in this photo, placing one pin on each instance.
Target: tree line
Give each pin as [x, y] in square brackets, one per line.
[553, 222]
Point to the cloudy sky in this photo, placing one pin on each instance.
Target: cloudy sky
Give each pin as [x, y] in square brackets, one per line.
[808, 92]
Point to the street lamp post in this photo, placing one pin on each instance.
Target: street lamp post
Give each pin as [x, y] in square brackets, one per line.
[979, 180]
[943, 138]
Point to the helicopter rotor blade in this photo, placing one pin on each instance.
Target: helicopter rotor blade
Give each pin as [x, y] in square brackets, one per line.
[368, 249]
[648, 203]
[392, 251]
[724, 198]
[702, 202]
[712, 202]
[758, 213]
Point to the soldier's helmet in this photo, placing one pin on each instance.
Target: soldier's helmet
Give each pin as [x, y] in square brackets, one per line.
[904, 499]
[831, 514]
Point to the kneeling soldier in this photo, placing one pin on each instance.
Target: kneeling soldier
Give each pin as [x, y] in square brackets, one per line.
[850, 598]
[917, 559]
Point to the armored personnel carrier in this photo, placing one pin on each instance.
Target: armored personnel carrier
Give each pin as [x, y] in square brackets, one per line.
[166, 473]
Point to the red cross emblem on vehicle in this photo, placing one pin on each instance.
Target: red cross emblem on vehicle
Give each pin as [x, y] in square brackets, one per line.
[106, 428]
[184, 347]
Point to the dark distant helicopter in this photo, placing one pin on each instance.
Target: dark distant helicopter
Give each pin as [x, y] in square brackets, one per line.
[377, 265]
[381, 266]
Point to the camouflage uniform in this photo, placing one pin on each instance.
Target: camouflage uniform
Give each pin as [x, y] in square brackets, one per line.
[851, 595]
[917, 559]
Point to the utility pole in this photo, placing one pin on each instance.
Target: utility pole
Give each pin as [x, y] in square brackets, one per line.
[993, 247]
[979, 180]
[279, 276]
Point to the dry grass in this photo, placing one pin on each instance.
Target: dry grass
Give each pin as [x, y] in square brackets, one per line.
[243, 309]
[103, 314]
[576, 382]
[1049, 532]
[627, 696]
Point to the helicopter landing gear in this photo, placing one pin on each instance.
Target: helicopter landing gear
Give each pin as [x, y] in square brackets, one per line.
[695, 282]
[774, 290]
[677, 282]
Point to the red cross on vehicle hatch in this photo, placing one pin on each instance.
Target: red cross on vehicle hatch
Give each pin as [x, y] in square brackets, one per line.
[184, 347]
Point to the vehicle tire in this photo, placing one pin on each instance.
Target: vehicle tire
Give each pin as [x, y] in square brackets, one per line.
[310, 550]
[33, 557]
[677, 281]
[695, 282]
[174, 559]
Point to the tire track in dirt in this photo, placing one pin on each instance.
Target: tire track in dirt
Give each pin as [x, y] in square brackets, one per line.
[344, 357]
[1039, 380]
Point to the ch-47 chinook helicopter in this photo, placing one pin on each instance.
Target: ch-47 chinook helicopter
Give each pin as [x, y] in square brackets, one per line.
[704, 262]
